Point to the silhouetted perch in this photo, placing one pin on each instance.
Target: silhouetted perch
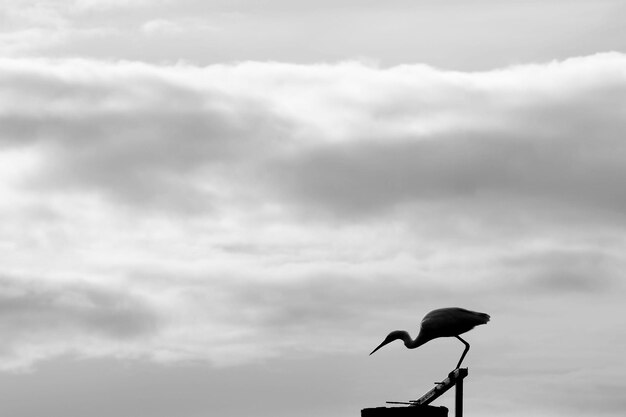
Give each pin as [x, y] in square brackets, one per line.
[411, 411]
[454, 378]
[420, 407]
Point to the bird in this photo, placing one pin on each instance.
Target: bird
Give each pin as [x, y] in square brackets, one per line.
[443, 322]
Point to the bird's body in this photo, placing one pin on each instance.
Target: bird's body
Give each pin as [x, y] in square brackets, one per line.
[443, 322]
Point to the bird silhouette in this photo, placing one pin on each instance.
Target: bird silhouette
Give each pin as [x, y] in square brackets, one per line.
[443, 322]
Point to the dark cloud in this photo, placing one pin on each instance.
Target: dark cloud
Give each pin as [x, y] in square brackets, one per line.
[563, 271]
[128, 134]
[43, 312]
[574, 168]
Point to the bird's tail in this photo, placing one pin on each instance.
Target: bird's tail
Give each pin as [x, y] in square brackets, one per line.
[484, 318]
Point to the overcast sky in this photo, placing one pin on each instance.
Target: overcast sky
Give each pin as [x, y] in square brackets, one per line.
[219, 208]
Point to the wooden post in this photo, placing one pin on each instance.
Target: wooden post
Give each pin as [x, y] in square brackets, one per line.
[453, 379]
[458, 399]
[420, 406]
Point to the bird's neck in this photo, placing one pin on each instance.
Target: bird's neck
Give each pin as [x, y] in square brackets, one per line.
[413, 343]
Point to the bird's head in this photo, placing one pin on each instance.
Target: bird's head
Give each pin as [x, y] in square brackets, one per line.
[395, 335]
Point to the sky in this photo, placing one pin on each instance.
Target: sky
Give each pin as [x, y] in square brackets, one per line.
[219, 208]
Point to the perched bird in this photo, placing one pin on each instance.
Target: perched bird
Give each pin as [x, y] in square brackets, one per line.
[443, 322]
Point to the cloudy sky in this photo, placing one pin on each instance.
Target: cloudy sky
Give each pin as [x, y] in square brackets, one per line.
[219, 208]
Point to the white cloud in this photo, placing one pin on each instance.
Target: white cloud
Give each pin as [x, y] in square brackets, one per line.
[24, 41]
[396, 32]
[102, 5]
[165, 27]
[160, 26]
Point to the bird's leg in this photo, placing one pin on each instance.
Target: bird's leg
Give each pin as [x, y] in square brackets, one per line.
[467, 346]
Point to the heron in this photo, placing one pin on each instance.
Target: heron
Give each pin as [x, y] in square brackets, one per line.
[443, 322]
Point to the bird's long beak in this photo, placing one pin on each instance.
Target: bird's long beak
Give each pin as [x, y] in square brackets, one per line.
[381, 345]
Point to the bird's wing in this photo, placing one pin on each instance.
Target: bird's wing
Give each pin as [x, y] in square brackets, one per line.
[451, 321]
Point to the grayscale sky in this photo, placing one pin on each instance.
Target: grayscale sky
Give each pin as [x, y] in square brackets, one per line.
[219, 208]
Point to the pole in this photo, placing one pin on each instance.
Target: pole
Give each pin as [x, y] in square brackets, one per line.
[458, 398]
[452, 380]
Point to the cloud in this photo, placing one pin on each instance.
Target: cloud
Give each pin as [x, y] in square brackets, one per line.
[409, 28]
[16, 42]
[133, 135]
[245, 207]
[554, 138]
[160, 26]
[589, 270]
[99, 5]
[165, 27]
[41, 318]
[311, 136]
